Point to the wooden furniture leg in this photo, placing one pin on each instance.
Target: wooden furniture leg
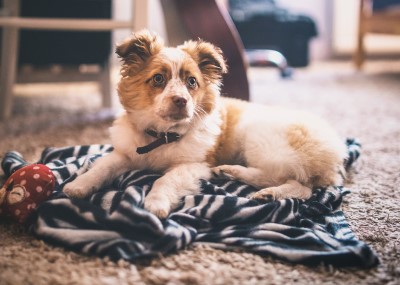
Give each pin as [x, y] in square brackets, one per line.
[9, 52]
[360, 49]
[105, 85]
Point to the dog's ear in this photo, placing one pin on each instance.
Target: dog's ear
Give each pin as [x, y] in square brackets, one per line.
[139, 48]
[209, 58]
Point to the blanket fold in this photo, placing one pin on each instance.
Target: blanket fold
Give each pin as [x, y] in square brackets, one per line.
[113, 223]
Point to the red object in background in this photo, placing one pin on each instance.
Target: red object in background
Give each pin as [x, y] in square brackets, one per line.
[24, 190]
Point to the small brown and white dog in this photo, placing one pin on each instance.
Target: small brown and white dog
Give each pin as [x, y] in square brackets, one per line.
[175, 122]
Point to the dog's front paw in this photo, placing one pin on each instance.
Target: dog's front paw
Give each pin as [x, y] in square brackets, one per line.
[78, 189]
[159, 206]
[223, 172]
[266, 194]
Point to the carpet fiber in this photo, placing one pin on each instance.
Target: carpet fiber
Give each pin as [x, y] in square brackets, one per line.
[363, 105]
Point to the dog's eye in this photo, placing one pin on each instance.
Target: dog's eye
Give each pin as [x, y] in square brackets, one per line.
[192, 82]
[158, 79]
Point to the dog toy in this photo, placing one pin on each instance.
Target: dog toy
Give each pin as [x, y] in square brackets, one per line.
[24, 190]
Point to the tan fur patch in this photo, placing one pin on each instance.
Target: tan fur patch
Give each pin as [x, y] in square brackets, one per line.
[224, 151]
[209, 59]
[139, 58]
[314, 156]
[297, 136]
[133, 98]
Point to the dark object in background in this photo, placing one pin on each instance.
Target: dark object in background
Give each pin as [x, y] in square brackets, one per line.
[263, 25]
[40, 47]
[385, 4]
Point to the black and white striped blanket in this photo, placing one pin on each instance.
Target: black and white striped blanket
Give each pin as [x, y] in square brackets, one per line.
[113, 222]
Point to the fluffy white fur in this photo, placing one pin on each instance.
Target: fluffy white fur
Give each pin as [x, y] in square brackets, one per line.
[283, 153]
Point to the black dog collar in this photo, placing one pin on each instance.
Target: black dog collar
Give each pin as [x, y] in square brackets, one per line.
[161, 138]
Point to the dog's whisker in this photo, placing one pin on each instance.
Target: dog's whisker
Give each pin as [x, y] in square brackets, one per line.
[199, 112]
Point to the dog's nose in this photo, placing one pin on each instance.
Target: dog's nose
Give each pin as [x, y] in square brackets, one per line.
[179, 101]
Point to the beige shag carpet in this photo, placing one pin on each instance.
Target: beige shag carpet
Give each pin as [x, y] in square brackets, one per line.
[365, 105]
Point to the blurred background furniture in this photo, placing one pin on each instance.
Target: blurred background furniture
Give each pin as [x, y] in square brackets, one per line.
[263, 25]
[376, 17]
[85, 40]
[268, 57]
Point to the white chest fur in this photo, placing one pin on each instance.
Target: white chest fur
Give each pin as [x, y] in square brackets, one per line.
[193, 146]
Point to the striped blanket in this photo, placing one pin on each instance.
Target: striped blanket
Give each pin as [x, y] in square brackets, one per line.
[113, 222]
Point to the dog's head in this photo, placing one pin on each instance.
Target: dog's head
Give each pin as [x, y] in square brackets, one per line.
[168, 86]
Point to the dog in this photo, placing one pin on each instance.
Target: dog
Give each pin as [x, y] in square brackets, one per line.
[175, 122]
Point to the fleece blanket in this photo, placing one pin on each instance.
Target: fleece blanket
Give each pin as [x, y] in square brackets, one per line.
[113, 222]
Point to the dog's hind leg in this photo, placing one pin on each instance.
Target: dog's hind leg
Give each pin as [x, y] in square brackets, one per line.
[272, 186]
[249, 175]
[290, 189]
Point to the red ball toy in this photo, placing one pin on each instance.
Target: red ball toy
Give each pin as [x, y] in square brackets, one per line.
[24, 190]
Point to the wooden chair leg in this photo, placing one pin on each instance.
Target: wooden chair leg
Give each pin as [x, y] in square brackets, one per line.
[8, 70]
[105, 85]
[9, 53]
[359, 55]
[360, 51]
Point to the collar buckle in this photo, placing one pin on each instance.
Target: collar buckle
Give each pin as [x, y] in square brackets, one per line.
[161, 138]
